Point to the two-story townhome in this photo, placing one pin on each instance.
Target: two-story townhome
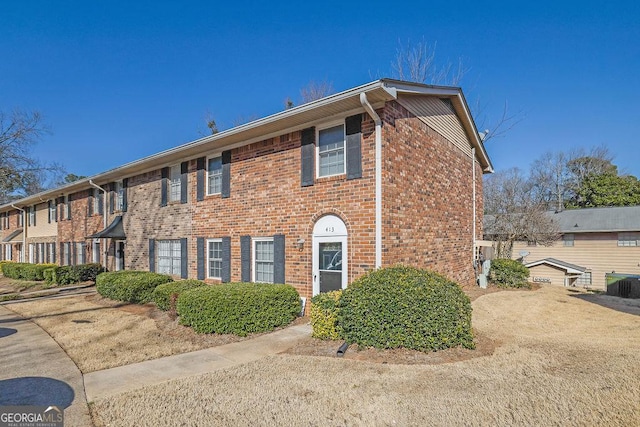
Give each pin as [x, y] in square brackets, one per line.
[314, 196]
[593, 242]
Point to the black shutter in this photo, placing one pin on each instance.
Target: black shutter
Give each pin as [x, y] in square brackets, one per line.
[3, 215]
[184, 181]
[28, 213]
[278, 258]
[200, 178]
[53, 253]
[354, 146]
[100, 196]
[163, 187]
[184, 258]
[226, 260]
[61, 253]
[83, 253]
[200, 257]
[72, 253]
[125, 186]
[245, 258]
[48, 213]
[308, 154]
[69, 206]
[226, 174]
[152, 255]
[90, 203]
[112, 188]
[35, 213]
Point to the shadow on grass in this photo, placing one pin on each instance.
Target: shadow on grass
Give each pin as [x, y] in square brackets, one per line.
[5, 332]
[624, 305]
[41, 391]
[42, 316]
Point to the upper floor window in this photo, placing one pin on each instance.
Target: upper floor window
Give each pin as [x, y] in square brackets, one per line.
[263, 260]
[567, 239]
[175, 184]
[52, 211]
[628, 239]
[21, 218]
[119, 196]
[331, 158]
[214, 175]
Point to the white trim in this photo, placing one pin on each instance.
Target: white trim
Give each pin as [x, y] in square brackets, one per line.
[254, 240]
[560, 266]
[325, 126]
[329, 229]
[172, 168]
[206, 175]
[207, 259]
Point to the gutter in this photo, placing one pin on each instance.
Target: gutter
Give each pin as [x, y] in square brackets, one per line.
[376, 118]
[473, 180]
[104, 218]
[24, 232]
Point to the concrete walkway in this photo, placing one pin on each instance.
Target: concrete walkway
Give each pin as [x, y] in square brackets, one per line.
[101, 384]
[34, 370]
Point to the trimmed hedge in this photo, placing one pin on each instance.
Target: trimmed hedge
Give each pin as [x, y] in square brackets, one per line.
[25, 270]
[69, 274]
[405, 307]
[509, 273]
[324, 315]
[238, 308]
[130, 286]
[162, 294]
[2, 263]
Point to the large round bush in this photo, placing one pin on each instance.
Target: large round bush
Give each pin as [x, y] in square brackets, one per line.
[238, 308]
[162, 293]
[405, 307]
[130, 286]
[508, 273]
[324, 315]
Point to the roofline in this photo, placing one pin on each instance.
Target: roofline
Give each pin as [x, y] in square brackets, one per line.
[389, 87]
[564, 267]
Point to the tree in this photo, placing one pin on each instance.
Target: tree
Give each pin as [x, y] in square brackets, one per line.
[551, 179]
[417, 63]
[607, 189]
[316, 90]
[21, 174]
[512, 212]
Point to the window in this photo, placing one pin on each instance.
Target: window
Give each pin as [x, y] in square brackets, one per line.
[32, 216]
[214, 259]
[119, 196]
[52, 211]
[67, 207]
[628, 239]
[8, 254]
[567, 239]
[32, 253]
[41, 255]
[532, 243]
[169, 257]
[95, 251]
[214, 175]
[331, 151]
[65, 254]
[52, 252]
[263, 260]
[21, 219]
[175, 183]
[97, 202]
[584, 279]
[80, 253]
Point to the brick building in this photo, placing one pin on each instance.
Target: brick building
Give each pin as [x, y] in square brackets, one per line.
[313, 196]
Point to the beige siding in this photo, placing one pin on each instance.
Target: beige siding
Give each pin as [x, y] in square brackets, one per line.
[440, 117]
[547, 275]
[42, 228]
[597, 252]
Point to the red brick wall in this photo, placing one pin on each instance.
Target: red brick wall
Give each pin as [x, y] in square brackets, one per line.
[16, 247]
[427, 198]
[80, 225]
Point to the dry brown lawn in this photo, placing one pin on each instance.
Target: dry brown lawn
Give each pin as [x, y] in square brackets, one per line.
[561, 358]
[98, 333]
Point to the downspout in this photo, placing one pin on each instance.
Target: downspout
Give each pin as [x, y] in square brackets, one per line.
[376, 118]
[104, 219]
[24, 232]
[473, 174]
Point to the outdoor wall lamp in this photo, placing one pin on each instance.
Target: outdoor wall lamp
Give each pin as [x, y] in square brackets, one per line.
[300, 244]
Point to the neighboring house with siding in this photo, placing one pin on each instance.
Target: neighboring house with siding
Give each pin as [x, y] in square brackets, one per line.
[313, 196]
[593, 242]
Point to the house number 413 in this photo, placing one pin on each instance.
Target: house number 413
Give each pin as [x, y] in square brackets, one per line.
[329, 229]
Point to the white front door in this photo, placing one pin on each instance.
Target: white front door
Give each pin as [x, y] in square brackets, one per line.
[330, 255]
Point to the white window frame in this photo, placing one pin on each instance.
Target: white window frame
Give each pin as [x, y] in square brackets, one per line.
[211, 260]
[32, 215]
[8, 252]
[568, 240]
[51, 211]
[170, 256]
[32, 253]
[51, 251]
[66, 247]
[80, 254]
[628, 239]
[21, 215]
[65, 208]
[118, 197]
[41, 253]
[95, 251]
[218, 174]
[255, 261]
[586, 279]
[344, 147]
[174, 184]
[96, 201]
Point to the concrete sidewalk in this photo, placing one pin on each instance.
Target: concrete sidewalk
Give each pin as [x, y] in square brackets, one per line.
[101, 384]
[34, 370]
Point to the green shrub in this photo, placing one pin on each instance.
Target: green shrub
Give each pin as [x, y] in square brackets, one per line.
[162, 294]
[130, 286]
[65, 275]
[87, 272]
[508, 273]
[238, 308]
[2, 263]
[324, 315]
[49, 275]
[25, 270]
[405, 307]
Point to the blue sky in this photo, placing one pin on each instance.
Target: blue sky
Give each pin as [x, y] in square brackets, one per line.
[117, 81]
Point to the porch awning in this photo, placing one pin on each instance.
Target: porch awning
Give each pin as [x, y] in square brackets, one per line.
[115, 230]
[13, 236]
